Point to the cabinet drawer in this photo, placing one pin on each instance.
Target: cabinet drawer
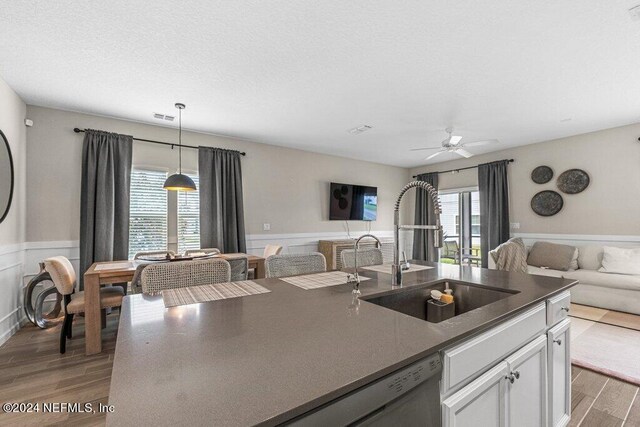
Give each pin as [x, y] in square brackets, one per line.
[558, 308]
[464, 361]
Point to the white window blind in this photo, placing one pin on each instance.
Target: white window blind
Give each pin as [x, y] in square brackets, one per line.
[189, 218]
[148, 212]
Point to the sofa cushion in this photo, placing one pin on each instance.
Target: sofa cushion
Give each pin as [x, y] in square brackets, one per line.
[551, 255]
[605, 280]
[590, 257]
[620, 260]
[545, 271]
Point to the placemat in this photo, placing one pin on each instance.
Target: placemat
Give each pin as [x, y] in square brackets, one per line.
[204, 293]
[386, 268]
[113, 266]
[319, 280]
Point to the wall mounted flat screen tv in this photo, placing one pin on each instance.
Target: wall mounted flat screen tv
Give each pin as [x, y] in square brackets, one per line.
[353, 202]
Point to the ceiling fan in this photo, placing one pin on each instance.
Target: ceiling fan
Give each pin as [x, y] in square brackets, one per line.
[453, 144]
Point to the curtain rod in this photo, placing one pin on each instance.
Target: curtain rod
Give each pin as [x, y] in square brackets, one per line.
[468, 167]
[171, 144]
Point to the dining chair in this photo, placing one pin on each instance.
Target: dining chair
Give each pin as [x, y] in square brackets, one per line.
[294, 264]
[181, 274]
[239, 267]
[271, 250]
[208, 251]
[64, 278]
[366, 256]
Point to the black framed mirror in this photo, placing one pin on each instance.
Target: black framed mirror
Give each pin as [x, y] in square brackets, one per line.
[6, 176]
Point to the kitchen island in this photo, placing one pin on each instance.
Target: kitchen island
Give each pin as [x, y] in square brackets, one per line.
[266, 359]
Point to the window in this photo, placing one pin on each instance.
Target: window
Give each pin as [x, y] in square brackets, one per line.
[161, 219]
[148, 212]
[461, 225]
[189, 218]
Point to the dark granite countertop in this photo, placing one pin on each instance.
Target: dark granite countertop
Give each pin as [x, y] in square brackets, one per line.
[264, 359]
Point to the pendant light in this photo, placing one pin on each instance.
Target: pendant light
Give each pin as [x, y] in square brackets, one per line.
[179, 181]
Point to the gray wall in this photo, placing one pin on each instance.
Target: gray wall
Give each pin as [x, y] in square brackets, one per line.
[284, 187]
[609, 206]
[12, 114]
[12, 229]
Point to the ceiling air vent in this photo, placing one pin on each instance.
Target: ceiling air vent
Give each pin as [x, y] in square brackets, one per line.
[164, 117]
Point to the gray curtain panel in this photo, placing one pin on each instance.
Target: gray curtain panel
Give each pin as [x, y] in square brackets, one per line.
[423, 248]
[221, 203]
[104, 200]
[494, 206]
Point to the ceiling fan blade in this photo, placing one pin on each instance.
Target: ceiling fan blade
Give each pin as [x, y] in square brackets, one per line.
[463, 152]
[478, 143]
[434, 154]
[425, 148]
[455, 139]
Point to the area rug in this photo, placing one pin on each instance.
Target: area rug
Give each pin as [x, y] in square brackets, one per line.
[611, 350]
[609, 317]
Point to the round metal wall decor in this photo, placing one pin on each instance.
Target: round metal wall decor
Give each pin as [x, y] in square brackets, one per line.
[542, 174]
[547, 203]
[573, 181]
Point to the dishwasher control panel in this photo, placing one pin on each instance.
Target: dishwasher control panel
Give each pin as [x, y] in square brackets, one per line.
[413, 375]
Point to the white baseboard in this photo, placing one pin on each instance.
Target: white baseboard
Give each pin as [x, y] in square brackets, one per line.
[15, 327]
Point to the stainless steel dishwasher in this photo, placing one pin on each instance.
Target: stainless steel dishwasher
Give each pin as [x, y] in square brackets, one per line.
[408, 397]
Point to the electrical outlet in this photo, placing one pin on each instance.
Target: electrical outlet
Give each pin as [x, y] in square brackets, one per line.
[515, 226]
[266, 227]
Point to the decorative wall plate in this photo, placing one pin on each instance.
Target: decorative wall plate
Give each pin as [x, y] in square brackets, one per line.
[542, 174]
[547, 203]
[573, 181]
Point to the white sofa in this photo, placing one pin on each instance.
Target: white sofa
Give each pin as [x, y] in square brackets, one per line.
[620, 292]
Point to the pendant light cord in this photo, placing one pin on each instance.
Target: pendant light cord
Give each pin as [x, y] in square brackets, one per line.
[180, 142]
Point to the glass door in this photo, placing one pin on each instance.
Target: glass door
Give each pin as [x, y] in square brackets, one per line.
[461, 225]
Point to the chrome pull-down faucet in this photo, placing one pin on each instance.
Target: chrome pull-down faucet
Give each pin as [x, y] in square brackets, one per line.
[396, 268]
[355, 278]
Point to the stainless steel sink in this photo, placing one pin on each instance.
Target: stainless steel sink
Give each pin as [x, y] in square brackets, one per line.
[413, 300]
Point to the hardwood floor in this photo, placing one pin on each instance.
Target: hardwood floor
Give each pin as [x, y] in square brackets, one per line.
[32, 370]
[598, 400]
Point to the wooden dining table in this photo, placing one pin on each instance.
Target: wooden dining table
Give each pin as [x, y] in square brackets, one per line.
[108, 272]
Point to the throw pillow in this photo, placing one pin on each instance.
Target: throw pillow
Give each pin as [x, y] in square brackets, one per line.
[620, 260]
[551, 255]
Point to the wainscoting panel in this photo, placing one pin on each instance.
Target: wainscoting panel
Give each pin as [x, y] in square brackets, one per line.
[580, 239]
[11, 274]
[298, 243]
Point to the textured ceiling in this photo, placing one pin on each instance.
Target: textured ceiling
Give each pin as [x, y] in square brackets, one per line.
[302, 73]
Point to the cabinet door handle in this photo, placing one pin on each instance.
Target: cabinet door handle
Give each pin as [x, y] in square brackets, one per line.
[564, 309]
[513, 376]
[558, 341]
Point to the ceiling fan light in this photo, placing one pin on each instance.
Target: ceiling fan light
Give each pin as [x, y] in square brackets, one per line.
[179, 182]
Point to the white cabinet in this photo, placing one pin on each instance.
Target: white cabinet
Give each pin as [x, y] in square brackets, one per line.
[529, 380]
[481, 403]
[527, 385]
[559, 376]
[514, 393]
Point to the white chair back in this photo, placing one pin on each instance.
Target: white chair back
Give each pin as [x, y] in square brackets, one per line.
[62, 274]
